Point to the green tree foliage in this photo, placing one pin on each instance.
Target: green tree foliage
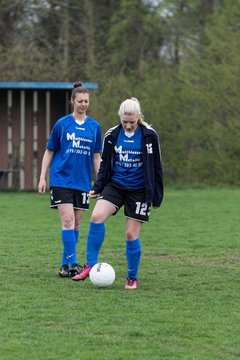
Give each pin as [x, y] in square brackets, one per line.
[134, 36]
[210, 93]
[12, 15]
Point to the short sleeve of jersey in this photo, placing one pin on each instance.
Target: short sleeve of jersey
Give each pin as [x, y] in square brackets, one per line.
[54, 139]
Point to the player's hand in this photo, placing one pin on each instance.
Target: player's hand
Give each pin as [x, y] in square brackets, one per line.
[92, 194]
[42, 186]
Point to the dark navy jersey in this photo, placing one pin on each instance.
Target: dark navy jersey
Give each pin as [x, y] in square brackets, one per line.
[128, 160]
[74, 146]
[152, 164]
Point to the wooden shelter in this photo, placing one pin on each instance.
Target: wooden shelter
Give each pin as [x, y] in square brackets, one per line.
[28, 111]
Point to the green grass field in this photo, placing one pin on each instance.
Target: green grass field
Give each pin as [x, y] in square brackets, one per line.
[187, 304]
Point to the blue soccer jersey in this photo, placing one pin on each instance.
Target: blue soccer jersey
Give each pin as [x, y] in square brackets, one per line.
[74, 146]
[128, 160]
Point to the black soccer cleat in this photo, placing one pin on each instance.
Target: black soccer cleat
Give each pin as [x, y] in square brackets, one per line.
[64, 271]
[74, 270]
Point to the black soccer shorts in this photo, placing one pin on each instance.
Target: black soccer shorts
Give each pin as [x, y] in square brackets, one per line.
[134, 203]
[59, 196]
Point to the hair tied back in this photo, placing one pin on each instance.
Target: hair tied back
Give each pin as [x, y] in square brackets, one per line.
[77, 84]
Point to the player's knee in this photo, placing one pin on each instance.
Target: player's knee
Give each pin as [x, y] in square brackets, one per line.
[97, 218]
[67, 222]
[131, 235]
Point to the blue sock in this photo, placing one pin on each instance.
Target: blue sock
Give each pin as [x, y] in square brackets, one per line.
[64, 255]
[69, 246]
[133, 255]
[95, 239]
[64, 258]
[76, 233]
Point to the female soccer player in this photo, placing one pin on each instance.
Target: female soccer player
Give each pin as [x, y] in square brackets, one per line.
[131, 175]
[73, 148]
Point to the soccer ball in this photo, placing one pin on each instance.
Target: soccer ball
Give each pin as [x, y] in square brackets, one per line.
[102, 275]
